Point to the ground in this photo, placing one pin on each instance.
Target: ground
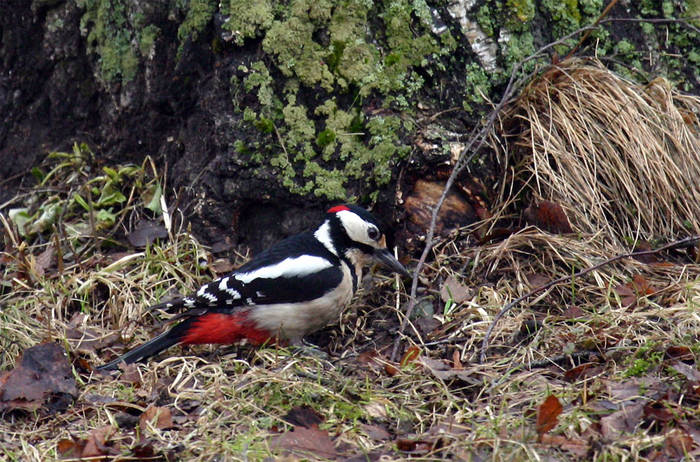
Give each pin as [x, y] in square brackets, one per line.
[173, 125]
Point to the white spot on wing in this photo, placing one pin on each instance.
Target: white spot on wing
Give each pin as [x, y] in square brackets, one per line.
[287, 268]
[323, 234]
[223, 287]
[210, 297]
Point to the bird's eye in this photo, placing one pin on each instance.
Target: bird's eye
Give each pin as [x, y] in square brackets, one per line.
[373, 233]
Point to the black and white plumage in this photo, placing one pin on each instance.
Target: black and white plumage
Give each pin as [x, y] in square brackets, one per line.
[295, 287]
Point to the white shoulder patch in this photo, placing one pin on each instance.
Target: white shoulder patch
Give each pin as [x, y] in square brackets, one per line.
[287, 268]
[323, 234]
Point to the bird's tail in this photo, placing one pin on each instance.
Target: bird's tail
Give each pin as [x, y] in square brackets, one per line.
[165, 340]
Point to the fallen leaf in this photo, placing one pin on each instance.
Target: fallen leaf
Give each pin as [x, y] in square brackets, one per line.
[456, 361]
[548, 216]
[658, 411]
[43, 372]
[548, 414]
[681, 353]
[583, 371]
[578, 447]
[410, 356]
[677, 444]
[453, 290]
[443, 371]
[95, 444]
[306, 440]
[688, 371]
[632, 291]
[221, 266]
[45, 260]
[303, 416]
[415, 447]
[159, 417]
[145, 233]
[573, 312]
[375, 432]
[622, 421]
[70, 448]
[535, 280]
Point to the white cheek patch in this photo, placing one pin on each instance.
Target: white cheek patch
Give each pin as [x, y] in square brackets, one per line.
[287, 268]
[356, 227]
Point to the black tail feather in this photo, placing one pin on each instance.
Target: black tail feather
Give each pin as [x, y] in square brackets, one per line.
[150, 348]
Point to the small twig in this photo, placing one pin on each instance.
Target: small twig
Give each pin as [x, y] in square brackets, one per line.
[476, 140]
[567, 278]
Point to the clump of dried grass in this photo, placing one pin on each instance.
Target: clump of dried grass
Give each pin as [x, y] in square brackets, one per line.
[622, 158]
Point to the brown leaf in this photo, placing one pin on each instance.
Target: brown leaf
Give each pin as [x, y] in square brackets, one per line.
[624, 420]
[410, 355]
[632, 291]
[43, 371]
[677, 444]
[535, 280]
[456, 361]
[95, 444]
[441, 370]
[160, 417]
[145, 233]
[578, 447]
[306, 440]
[548, 414]
[303, 416]
[681, 353]
[70, 448]
[658, 411]
[689, 372]
[548, 216]
[642, 246]
[221, 266]
[453, 290]
[376, 432]
[582, 371]
[45, 260]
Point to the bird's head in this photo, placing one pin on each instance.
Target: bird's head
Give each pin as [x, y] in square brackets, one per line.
[352, 231]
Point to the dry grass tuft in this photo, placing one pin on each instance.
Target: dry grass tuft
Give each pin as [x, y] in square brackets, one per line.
[622, 158]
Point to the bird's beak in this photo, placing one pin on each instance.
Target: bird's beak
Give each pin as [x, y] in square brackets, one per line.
[385, 257]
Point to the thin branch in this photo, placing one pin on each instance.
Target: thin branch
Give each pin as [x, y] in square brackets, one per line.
[478, 136]
[485, 343]
[476, 140]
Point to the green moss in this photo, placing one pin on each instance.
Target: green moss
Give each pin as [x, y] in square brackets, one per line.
[247, 18]
[109, 32]
[198, 15]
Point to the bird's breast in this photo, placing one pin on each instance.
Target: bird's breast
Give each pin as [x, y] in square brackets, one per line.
[292, 321]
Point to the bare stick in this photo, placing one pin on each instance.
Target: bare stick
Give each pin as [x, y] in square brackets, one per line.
[476, 140]
[485, 343]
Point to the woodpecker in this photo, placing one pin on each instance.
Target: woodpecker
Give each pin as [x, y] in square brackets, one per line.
[294, 288]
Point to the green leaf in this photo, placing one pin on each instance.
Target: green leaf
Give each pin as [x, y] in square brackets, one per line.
[105, 217]
[39, 174]
[113, 175]
[110, 196]
[154, 203]
[82, 202]
[20, 217]
[49, 214]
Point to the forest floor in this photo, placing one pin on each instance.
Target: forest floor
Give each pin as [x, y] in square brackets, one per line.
[601, 365]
